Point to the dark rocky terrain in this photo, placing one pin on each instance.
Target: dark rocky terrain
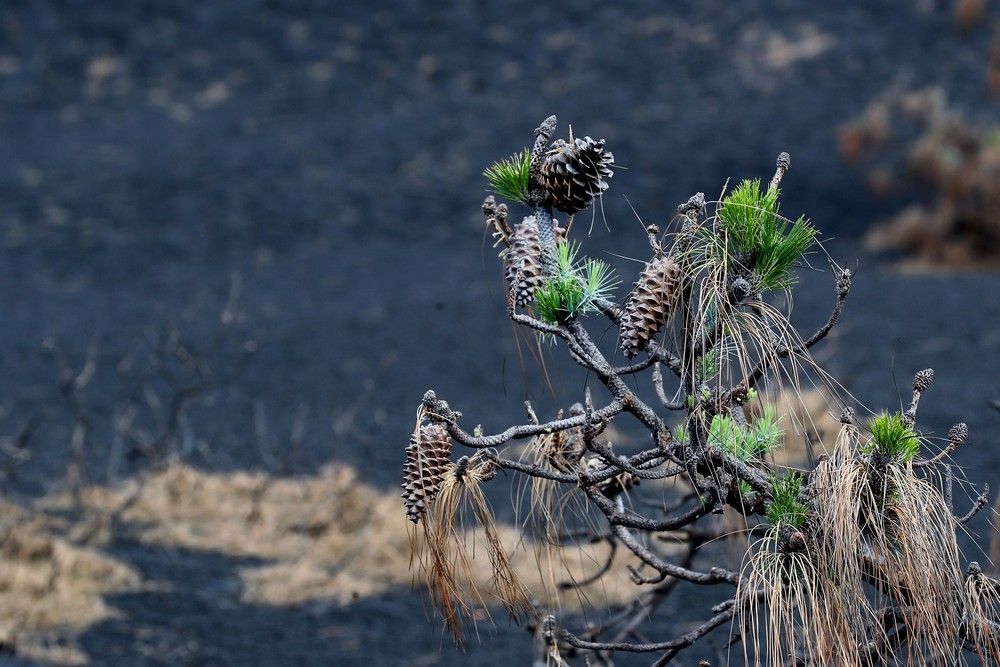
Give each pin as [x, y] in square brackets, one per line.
[328, 154]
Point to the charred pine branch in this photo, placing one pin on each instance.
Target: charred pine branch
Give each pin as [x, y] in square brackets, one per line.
[682, 642]
[599, 574]
[958, 434]
[666, 402]
[622, 517]
[438, 410]
[717, 575]
[533, 470]
[977, 506]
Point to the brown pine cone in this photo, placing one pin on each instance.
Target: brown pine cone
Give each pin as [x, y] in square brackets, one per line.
[574, 174]
[522, 262]
[427, 461]
[650, 304]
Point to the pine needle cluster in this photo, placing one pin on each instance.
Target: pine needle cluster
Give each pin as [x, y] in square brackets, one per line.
[575, 287]
[785, 508]
[747, 443]
[509, 177]
[891, 438]
[767, 242]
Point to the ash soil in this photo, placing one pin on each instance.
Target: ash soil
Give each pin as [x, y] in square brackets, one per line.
[329, 155]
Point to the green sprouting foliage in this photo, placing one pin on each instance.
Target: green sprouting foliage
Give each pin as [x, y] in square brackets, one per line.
[765, 432]
[891, 438]
[746, 212]
[574, 288]
[708, 365]
[509, 177]
[785, 509]
[727, 435]
[559, 299]
[680, 433]
[746, 442]
[756, 231]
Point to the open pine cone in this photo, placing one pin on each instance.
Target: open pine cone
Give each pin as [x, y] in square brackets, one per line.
[427, 460]
[649, 306]
[574, 173]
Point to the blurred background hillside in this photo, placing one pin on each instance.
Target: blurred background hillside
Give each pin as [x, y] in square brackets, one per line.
[240, 239]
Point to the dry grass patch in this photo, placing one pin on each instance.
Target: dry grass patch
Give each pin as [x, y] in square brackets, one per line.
[328, 536]
[50, 588]
[324, 537]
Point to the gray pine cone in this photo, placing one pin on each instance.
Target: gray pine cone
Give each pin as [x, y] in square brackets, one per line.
[923, 380]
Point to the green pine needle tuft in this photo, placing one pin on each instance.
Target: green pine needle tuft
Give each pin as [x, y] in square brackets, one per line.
[779, 251]
[509, 177]
[708, 365]
[746, 443]
[891, 438]
[575, 287]
[559, 299]
[746, 212]
[726, 434]
[765, 433]
[756, 231]
[785, 509]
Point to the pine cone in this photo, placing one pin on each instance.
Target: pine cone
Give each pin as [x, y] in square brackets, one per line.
[574, 173]
[427, 460]
[923, 380]
[563, 449]
[522, 262]
[650, 303]
[958, 433]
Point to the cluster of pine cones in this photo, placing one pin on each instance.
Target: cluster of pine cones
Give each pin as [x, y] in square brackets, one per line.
[649, 304]
[575, 173]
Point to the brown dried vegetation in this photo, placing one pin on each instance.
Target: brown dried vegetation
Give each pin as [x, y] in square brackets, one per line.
[323, 537]
[958, 160]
